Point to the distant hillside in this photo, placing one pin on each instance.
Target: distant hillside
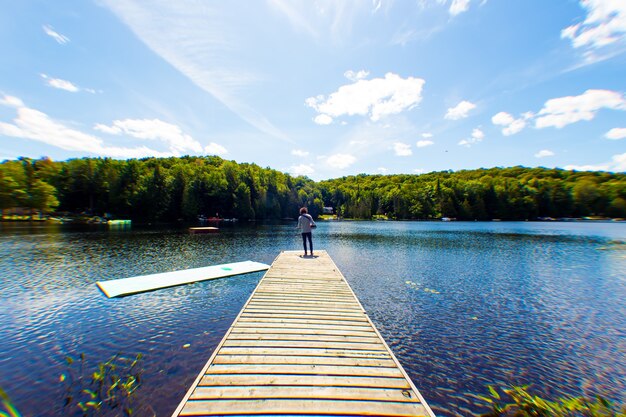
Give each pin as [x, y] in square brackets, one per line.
[498, 193]
[169, 189]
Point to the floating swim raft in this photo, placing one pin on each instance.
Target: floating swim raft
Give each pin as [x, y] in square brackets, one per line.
[303, 345]
[134, 285]
[208, 229]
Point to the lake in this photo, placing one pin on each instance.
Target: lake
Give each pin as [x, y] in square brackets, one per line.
[461, 304]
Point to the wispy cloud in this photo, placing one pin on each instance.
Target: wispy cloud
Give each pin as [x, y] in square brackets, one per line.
[604, 24]
[35, 125]
[299, 152]
[62, 39]
[458, 7]
[65, 85]
[424, 143]
[616, 133]
[616, 164]
[375, 98]
[154, 129]
[209, 57]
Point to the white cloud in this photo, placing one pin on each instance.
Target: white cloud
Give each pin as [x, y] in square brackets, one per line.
[357, 142]
[511, 125]
[502, 118]
[60, 84]
[477, 136]
[215, 149]
[62, 39]
[419, 171]
[340, 160]
[544, 153]
[460, 111]
[616, 133]
[356, 76]
[375, 98]
[560, 112]
[402, 149]
[458, 7]
[617, 164]
[382, 170]
[424, 143]
[517, 126]
[604, 24]
[427, 135]
[154, 129]
[587, 167]
[299, 152]
[10, 101]
[302, 169]
[323, 119]
[35, 125]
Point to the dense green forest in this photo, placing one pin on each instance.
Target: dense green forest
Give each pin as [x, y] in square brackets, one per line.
[170, 189]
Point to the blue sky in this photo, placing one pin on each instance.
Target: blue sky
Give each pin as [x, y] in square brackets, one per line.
[318, 88]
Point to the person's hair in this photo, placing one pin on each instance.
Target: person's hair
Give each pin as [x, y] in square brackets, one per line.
[303, 210]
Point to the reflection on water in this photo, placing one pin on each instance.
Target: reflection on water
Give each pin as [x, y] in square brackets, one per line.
[462, 305]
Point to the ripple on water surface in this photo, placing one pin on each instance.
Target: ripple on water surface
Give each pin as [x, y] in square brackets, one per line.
[462, 305]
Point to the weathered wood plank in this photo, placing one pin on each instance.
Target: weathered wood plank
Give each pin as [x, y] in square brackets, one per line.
[302, 320]
[304, 370]
[303, 345]
[222, 359]
[302, 331]
[311, 392]
[302, 311]
[369, 344]
[303, 380]
[286, 316]
[303, 326]
[353, 408]
[262, 350]
[370, 338]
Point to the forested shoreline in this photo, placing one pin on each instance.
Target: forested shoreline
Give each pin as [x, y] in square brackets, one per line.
[182, 188]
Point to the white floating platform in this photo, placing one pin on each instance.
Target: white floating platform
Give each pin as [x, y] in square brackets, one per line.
[126, 286]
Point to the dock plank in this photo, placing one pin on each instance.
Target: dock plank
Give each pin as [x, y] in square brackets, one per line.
[296, 406]
[303, 345]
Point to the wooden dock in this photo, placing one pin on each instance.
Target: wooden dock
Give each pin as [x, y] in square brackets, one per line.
[303, 345]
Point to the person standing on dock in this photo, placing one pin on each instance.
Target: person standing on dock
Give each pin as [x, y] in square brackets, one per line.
[305, 224]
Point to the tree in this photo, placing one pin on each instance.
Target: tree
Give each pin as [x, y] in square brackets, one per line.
[242, 203]
[42, 197]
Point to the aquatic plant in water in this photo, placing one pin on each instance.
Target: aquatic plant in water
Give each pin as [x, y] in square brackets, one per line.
[112, 385]
[518, 402]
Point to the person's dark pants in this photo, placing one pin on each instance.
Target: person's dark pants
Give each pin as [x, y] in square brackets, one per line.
[308, 236]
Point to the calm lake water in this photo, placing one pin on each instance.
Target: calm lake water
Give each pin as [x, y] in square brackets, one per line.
[462, 305]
